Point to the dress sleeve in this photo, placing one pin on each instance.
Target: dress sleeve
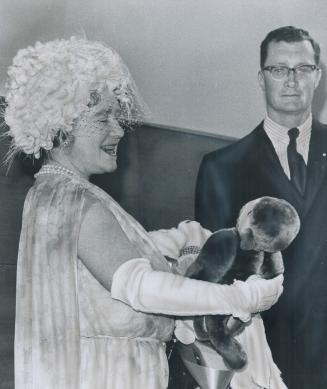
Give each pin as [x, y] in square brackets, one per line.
[261, 371]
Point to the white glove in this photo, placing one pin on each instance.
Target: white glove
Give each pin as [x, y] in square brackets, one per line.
[259, 294]
[147, 290]
[188, 234]
[195, 234]
[169, 242]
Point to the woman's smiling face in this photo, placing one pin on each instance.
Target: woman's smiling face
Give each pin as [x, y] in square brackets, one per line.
[97, 134]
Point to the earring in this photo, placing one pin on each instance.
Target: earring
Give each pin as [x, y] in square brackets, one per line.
[68, 141]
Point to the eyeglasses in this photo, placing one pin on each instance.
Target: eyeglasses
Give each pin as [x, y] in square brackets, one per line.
[280, 72]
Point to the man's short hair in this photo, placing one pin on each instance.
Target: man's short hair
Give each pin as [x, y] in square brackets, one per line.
[288, 34]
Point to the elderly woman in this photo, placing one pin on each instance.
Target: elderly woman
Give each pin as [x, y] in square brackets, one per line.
[95, 298]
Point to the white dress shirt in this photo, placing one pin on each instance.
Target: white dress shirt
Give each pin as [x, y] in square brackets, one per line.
[279, 138]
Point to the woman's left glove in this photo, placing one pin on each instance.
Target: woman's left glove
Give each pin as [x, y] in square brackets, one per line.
[144, 289]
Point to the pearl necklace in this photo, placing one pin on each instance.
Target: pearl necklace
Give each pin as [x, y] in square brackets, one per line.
[56, 169]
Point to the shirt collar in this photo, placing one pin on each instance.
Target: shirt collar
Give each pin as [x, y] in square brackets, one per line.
[280, 133]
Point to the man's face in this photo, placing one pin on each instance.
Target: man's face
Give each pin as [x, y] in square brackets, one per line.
[291, 96]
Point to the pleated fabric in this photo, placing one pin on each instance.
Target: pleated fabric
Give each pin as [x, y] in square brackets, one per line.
[70, 333]
[260, 372]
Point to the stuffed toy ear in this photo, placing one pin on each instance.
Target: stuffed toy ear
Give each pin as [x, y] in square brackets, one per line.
[247, 240]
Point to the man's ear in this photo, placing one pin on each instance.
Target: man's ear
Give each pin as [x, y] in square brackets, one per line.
[261, 80]
[247, 240]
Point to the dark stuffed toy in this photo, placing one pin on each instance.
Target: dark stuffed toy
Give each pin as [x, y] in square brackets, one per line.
[265, 227]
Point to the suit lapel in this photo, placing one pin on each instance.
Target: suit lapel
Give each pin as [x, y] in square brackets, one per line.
[317, 162]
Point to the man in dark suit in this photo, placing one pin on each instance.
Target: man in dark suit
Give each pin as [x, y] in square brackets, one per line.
[284, 157]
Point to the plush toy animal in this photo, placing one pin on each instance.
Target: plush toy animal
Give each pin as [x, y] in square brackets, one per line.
[265, 227]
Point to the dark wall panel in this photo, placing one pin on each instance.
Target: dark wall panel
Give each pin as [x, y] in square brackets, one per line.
[156, 175]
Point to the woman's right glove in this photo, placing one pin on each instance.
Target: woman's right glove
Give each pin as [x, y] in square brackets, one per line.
[144, 289]
[196, 236]
[187, 238]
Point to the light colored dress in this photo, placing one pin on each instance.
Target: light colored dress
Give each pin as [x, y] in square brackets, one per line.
[70, 333]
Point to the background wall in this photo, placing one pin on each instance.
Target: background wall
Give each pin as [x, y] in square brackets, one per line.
[195, 61]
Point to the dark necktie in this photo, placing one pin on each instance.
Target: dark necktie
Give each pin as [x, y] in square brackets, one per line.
[296, 162]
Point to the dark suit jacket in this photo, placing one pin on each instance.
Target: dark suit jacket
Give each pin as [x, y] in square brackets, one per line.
[228, 178]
